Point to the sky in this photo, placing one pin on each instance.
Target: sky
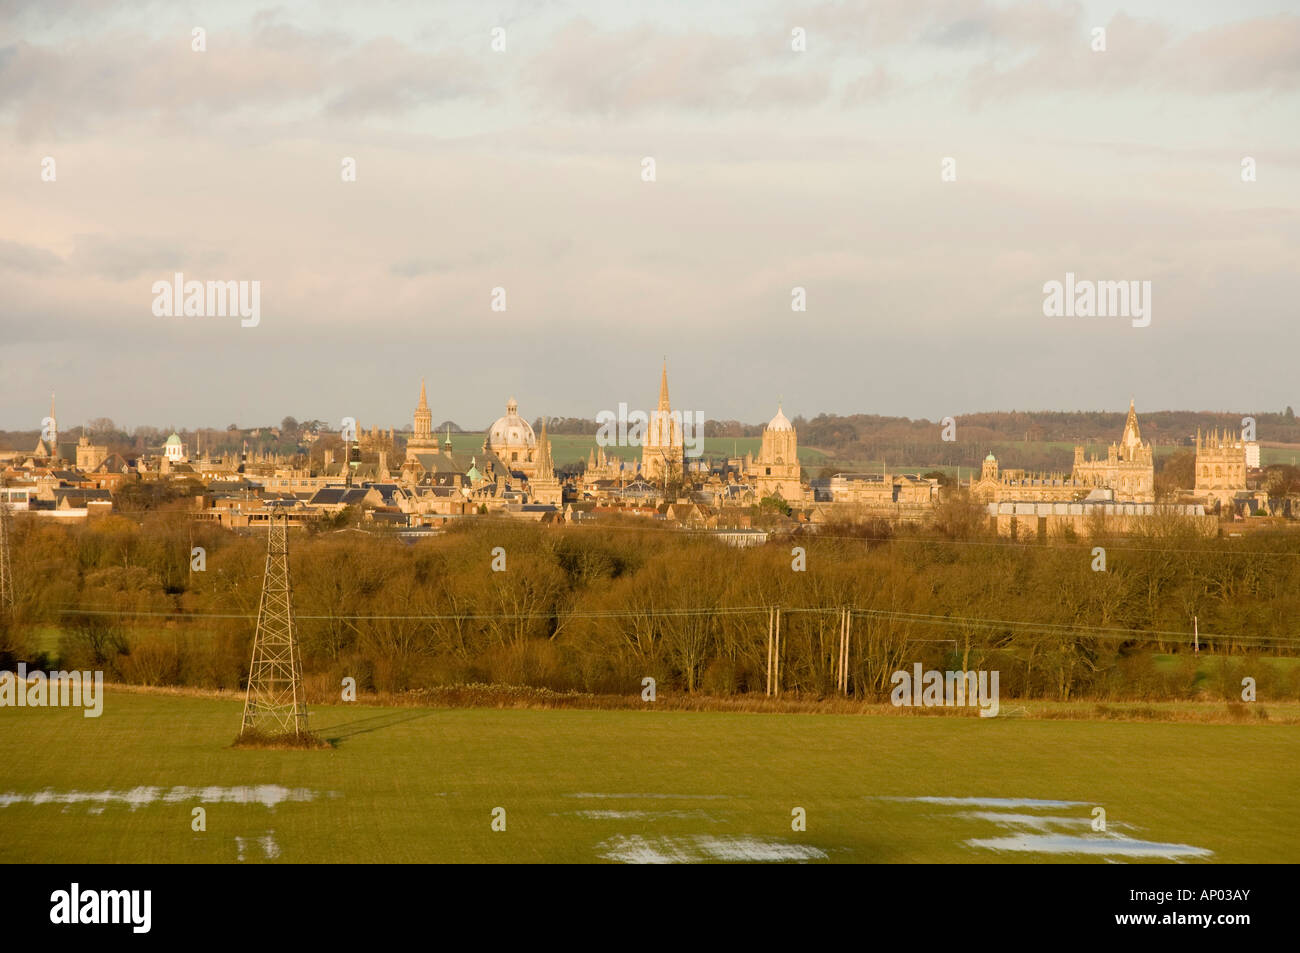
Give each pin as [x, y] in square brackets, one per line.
[522, 168]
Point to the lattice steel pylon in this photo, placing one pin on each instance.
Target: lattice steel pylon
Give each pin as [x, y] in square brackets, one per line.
[274, 703]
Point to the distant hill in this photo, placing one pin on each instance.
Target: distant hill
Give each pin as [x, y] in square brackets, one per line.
[1036, 440]
[1029, 439]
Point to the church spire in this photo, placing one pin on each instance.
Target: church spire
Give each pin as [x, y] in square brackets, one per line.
[1132, 436]
[545, 470]
[422, 431]
[663, 387]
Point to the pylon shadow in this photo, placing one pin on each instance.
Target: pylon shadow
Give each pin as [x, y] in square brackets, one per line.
[360, 726]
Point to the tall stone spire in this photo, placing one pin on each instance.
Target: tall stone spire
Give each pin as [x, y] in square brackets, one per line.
[545, 468]
[1132, 436]
[423, 431]
[663, 388]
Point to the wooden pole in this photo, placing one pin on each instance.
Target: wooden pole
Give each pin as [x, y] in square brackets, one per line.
[778, 652]
[769, 650]
[848, 645]
[839, 656]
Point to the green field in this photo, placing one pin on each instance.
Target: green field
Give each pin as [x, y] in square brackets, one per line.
[419, 785]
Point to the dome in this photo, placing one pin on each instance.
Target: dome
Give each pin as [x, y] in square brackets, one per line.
[779, 422]
[511, 431]
[990, 458]
[173, 441]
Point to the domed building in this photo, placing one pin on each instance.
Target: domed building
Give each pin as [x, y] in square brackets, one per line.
[174, 449]
[512, 441]
[776, 471]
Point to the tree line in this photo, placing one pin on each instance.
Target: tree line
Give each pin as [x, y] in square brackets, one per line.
[598, 609]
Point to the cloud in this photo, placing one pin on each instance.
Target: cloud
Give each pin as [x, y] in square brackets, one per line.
[639, 69]
[89, 84]
[27, 259]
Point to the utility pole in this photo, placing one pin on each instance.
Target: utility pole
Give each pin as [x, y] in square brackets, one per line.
[6, 576]
[770, 617]
[846, 629]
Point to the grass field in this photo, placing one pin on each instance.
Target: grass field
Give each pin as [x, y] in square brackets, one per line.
[419, 785]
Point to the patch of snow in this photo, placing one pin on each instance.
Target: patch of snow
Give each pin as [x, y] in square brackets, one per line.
[635, 849]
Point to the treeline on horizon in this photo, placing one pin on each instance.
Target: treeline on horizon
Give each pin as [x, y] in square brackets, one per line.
[599, 609]
[897, 441]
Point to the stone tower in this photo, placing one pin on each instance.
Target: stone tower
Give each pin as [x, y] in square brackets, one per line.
[663, 452]
[776, 471]
[422, 438]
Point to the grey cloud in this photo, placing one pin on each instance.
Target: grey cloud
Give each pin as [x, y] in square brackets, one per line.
[124, 257]
[27, 259]
[1031, 47]
[271, 64]
[585, 70]
[417, 268]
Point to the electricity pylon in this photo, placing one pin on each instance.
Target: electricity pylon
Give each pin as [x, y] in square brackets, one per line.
[274, 703]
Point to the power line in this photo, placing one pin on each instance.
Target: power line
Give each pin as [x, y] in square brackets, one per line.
[1056, 628]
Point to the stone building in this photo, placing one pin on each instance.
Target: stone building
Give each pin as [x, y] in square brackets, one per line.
[663, 453]
[512, 441]
[174, 449]
[996, 485]
[422, 438]
[1125, 475]
[776, 471]
[1220, 466]
[543, 486]
[1128, 469]
[89, 455]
